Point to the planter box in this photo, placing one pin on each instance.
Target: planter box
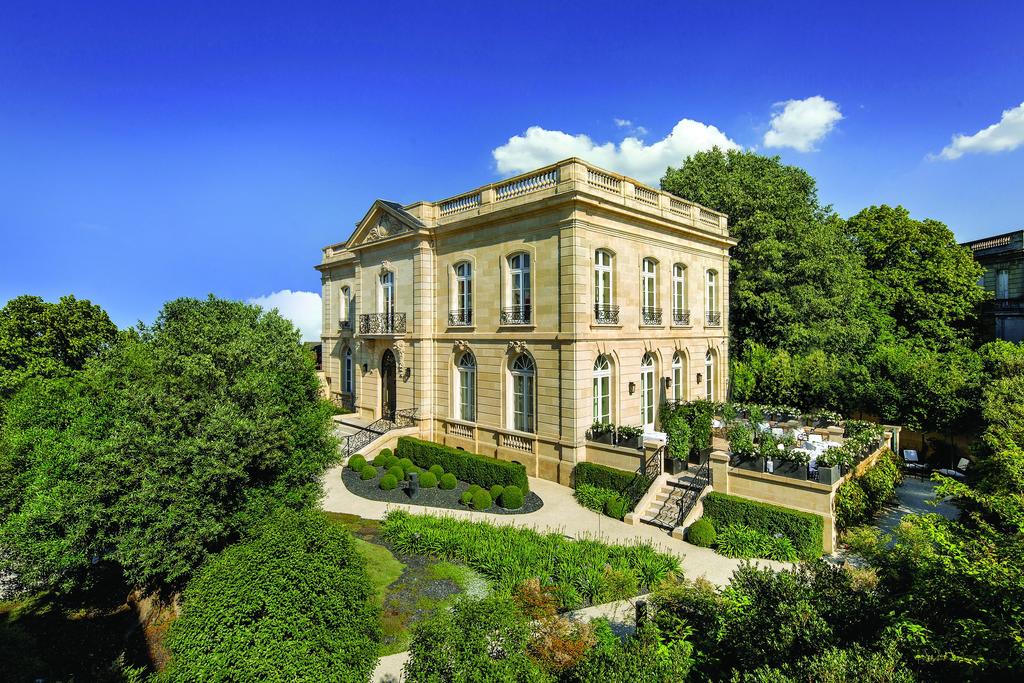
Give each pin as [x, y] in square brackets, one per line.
[829, 475]
[632, 442]
[788, 468]
[606, 437]
[752, 464]
[673, 466]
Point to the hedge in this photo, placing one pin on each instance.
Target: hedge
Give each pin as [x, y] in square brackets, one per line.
[469, 467]
[803, 529]
[291, 601]
[859, 499]
[630, 485]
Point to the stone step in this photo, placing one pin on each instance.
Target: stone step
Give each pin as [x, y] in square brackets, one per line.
[654, 521]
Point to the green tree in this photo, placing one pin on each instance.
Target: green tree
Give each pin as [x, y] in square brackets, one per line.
[174, 441]
[40, 339]
[919, 275]
[291, 602]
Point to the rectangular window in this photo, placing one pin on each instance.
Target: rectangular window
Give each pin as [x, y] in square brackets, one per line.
[1003, 284]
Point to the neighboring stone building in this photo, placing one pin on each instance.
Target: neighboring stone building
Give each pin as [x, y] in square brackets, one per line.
[1003, 258]
[512, 317]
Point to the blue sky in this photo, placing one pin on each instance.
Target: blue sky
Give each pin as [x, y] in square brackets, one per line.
[155, 150]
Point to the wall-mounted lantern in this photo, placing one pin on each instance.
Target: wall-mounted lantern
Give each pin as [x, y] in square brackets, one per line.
[408, 373]
[632, 388]
[698, 378]
[668, 382]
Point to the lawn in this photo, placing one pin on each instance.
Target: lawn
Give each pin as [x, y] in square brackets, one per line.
[409, 587]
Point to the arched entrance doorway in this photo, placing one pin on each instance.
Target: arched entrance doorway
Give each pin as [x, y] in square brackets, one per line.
[388, 385]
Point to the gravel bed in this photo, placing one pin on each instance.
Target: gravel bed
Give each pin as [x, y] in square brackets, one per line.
[434, 497]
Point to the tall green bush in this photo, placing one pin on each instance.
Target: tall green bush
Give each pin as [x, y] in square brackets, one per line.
[861, 498]
[291, 601]
[803, 529]
[469, 467]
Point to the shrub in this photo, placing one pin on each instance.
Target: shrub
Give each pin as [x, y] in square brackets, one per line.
[466, 498]
[391, 461]
[412, 470]
[593, 497]
[406, 463]
[357, 462]
[469, 467]
[850, 506]
[437, 470]
[447, 481]
[781, 549]
[678, 431]
[386, 452]
[428, 480]
[602, 477]
[473, 488]
[860, 498]
[368, 472]
[294, 592]
[397, 472]
[803, 529]
[482, 500]
[742, 541]
[616, 507]
[495, 491]
[701, 533]
[511, 498]
[381, 460]
[388, 482]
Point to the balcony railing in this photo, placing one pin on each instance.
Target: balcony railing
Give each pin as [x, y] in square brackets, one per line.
[650, 316]
[516, 315]
[606, 315]
[713, 318]
[680, 317]
[460, 318]
[382, 323]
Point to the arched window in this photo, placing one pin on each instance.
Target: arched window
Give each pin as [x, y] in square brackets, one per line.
[524, 376]
[602, 390]
[519, 290]
[651, 314]
[387, 293]
[343, 307]
[680, 313]
[709, 375]
[462, 310]
[466, 404]
[604, 309]
[647, 391]
[678, 377]
[714, 315]
[347, 380]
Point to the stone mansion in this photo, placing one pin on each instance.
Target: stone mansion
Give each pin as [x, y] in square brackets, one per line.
[510, 318]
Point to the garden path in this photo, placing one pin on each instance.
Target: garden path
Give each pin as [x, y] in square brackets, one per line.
[561, 514]
[913, 497]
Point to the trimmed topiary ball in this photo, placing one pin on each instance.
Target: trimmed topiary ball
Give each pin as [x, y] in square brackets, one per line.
[511, 498]
[615, 507]
[428, 480]
[466, 498]
[406, 464]
[357, 462]
[447, 481]
[482, 500]
[496, 491]
[437, 470]
[473, 488]
[397, 472]
[412, 469]
[702, 533]
[388, 482]
[391, 461]
[381, 460]
[368, 472]
[386, 452]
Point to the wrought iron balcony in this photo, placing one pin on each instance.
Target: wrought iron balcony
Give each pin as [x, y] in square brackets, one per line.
[381, 323]
[650, 316]
[461, 318]
[516, 315]
[606, 315]
[714, 318]
[680, 317]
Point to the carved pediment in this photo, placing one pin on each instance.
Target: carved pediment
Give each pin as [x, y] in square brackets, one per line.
[384, 220]
[387, 226]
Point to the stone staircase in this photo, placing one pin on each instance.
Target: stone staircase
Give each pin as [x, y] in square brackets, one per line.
[675, 495]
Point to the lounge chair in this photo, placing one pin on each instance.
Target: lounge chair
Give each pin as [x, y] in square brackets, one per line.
[959, 472]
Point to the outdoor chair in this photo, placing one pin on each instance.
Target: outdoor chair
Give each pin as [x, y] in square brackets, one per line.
[959, 472]
[913, 465]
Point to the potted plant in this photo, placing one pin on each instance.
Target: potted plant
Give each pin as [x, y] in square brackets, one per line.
[679, 444]
[829, 466]
[741, 443]
[630, 437]
[792, 463]
[602, 432]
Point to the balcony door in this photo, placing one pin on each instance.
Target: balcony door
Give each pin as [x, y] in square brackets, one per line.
[387, 293]
[388, 385]
[647, 391]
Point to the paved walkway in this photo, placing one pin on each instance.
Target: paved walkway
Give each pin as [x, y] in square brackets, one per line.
[913, 497]
[562, 514]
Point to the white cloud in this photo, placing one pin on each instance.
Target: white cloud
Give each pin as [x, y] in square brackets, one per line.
[623, 123]
[304, 309]
[1005, 136]
[801, 123]
[647, 163]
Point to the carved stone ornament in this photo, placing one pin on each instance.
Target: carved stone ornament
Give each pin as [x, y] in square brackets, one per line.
[385, 267]
[387, 226]
[462, 345]
[518, 346]
[399, 348]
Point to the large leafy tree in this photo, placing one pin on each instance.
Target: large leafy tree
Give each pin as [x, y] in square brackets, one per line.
[795, 282]
[919, 275]
[169, 445]
[41, 339]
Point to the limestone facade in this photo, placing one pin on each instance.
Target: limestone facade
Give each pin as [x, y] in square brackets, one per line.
[495, 316]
